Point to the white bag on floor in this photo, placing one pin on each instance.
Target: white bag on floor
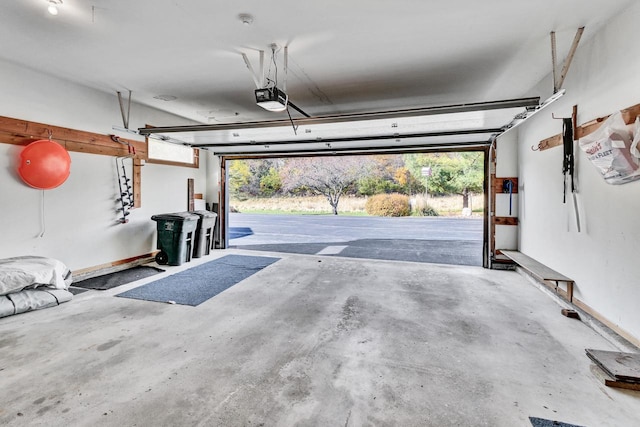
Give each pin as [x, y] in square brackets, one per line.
[32, 299]
[32, 272]
[609, 149]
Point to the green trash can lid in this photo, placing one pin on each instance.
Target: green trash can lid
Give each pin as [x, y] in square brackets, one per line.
[176, 216]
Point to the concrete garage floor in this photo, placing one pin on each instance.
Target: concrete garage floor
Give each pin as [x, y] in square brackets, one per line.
[312, 341]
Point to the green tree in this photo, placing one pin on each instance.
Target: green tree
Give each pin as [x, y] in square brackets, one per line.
[239, 177]
[270, 183]
[451, 173]
[371, 185]
[254, 177]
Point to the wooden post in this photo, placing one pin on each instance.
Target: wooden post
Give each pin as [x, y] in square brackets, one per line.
[190, 196]
[137, 183]
[222, 206]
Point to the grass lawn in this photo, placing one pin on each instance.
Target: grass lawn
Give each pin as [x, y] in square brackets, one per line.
[348, 206]
[293, 212]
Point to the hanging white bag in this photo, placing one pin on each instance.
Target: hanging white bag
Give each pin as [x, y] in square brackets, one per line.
[609, 149]
[636, 140]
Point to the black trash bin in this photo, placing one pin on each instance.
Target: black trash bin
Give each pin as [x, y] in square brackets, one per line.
[175, 237]
[204, 232]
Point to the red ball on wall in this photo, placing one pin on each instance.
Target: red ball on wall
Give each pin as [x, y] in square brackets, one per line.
[44, 164]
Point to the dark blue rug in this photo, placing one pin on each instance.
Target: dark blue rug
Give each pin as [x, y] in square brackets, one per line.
[541, 422]
[118, 278]
[196, 285]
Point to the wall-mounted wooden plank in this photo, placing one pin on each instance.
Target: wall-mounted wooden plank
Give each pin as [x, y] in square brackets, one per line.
[9, 138]
[628, 114]
[22, 132]
[136, 260]
[552, 141]
[505, 220]
[117, 151]
[80, 147]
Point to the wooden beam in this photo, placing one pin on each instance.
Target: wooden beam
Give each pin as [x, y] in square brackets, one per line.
[628, 114]
[505, 220]
[610, 381]
[567, 62]
[22, 132]
[222, 205]
[190, 199]
[554, 60]
[143, 258]
[137, 182]
[552, 141]
[486, 248]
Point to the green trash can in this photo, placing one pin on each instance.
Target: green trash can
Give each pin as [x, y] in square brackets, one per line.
[175, 237]
[204, 232]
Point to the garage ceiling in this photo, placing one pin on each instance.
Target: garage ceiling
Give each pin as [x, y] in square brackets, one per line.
[345, 57]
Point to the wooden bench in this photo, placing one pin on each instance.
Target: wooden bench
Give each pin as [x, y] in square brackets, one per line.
[544, 274]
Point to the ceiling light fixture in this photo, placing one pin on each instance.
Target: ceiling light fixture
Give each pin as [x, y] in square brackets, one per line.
[53, 6]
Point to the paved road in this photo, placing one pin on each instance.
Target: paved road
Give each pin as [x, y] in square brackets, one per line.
[419, 239]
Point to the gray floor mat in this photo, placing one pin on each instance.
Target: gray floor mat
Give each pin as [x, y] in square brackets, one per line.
[196, 285]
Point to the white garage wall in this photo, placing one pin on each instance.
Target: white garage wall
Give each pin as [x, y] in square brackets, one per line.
[603, 258]
[506, 167]
[81, 226]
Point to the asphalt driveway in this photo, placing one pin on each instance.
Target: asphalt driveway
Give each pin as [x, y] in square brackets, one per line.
[418, 239]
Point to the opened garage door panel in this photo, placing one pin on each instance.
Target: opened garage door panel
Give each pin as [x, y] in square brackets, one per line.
[411, 129]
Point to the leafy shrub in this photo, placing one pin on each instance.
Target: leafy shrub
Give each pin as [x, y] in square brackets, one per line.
[427, 210]
[388, 205]
[371, 185]
[422, 208]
